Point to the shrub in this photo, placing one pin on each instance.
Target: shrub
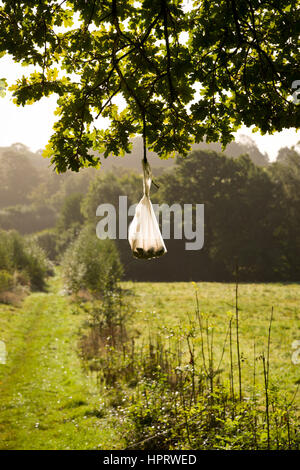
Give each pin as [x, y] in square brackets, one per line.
[65, 238]
[24, 258]
[6, 281]
[37, 265]
[88, 262]
[47, 240]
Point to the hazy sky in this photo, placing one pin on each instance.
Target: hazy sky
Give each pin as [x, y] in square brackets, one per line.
[32, 124]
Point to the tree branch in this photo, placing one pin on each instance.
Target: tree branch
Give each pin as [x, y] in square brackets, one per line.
[166, 36]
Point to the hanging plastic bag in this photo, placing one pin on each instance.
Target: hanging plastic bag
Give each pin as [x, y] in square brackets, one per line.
[144, 235]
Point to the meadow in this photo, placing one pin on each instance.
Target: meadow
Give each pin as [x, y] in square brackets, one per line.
[51, 400]
[163, 307]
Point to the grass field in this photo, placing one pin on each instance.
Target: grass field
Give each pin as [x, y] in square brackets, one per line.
[166, 306]
[49, 402]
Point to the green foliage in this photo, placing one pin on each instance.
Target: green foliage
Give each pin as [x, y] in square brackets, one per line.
[25, 257]
[106, 332]
[70, 212]
[37, 267]
[245, 145]
[59, 407]
[47, 240]
[31, 193]
[65, 408]
[88, 261]
[244, 217]
[17, 174]
[242, 57]
[286, 174]
[106, 188]
[27, 218]
[163, 307]
[287, 155]
[250, 217]
[65, 239]
[6, 281]
[176, 388]
[167, 417]
[69, 222]
[251, 212]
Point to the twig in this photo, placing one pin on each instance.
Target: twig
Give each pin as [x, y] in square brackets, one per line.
[237, 331]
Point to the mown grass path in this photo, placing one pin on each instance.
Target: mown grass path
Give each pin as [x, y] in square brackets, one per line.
[46, 400]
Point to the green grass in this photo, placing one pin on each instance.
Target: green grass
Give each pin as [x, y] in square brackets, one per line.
[162, 307]
[47, 401]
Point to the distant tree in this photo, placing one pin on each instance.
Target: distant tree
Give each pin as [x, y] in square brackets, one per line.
[70, 212]
[242, 56]
[285, 172]
[24, 259]
[106, 188]
[288, 155]
[247, 145]
[47, 240]
[69, 223]
[27, 219]
[241, 214]
[17, 176]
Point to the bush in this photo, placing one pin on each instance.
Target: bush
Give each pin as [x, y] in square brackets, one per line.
[47, 240]
[37, 266]
[88, 262]
[70, 212]
[66, 238]
[6, 281]
[23, 258]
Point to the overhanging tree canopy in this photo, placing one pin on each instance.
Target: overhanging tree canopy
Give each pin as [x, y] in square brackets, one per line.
[243, 54]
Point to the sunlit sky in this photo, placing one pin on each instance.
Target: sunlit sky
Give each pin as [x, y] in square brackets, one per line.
[32, 124]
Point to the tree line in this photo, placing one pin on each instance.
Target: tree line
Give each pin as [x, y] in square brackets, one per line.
[251, 217]
[251, 214]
